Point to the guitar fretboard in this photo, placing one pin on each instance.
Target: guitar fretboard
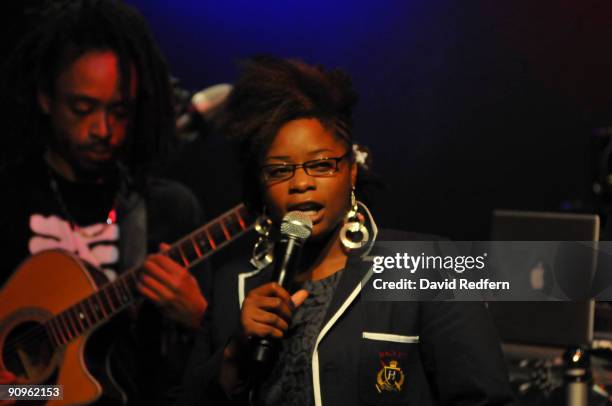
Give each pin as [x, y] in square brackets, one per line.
[113, 297]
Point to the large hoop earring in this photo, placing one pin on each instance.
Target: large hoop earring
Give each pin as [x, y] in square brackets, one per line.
[354, 234]
[262, 255]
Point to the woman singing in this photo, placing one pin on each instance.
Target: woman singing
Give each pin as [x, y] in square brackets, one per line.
[292, 123]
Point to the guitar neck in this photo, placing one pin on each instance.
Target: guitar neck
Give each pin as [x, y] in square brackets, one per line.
[113, 297]
[205, 241]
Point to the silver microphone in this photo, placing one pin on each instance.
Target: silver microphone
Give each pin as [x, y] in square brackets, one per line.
[295, 228]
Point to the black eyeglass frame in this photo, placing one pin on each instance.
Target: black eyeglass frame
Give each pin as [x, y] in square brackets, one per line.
[305, 166]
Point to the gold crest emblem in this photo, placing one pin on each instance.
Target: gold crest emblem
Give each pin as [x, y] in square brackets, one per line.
[390, 378]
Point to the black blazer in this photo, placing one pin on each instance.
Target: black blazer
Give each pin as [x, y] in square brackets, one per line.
[368, 353]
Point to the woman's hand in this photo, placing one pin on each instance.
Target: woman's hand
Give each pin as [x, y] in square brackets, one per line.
[267, 310]
[173, 289]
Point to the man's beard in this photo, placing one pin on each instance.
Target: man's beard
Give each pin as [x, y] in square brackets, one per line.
[94, 171]
[84, 169]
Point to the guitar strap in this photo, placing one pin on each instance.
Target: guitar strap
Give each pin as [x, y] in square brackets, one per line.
[132, 211]
[133, 237]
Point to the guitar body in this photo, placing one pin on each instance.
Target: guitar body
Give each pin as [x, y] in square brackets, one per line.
[43, 286]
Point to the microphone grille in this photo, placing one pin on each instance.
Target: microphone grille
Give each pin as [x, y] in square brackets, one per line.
[297, 225]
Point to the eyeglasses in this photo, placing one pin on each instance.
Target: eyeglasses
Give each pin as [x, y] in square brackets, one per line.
[317, 167]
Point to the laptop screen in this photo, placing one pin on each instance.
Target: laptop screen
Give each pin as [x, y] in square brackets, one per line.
[544, 323]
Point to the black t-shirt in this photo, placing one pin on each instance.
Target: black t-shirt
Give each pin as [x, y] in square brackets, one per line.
[34, 220]
[34, 217]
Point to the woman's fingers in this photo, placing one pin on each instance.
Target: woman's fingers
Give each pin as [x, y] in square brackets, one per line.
[270, 319]
[267, 310]
[299, 297]
[275, 305]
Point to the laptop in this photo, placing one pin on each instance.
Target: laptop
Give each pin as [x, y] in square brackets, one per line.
[560, 324]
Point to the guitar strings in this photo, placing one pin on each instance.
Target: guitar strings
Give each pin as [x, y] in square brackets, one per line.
[41, 332]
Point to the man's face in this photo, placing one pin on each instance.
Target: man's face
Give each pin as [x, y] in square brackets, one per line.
[89, 116]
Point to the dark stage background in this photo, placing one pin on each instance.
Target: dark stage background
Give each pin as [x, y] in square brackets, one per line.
[467, 106]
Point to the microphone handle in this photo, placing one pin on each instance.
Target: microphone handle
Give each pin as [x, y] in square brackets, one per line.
[287, 254]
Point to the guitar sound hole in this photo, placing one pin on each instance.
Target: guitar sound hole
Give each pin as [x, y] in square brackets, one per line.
[28, 352]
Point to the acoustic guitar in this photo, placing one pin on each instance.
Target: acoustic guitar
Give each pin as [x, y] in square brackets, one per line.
[45, 322]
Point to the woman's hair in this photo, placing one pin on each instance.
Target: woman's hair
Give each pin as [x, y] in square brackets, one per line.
[271, 92]
[65, 31]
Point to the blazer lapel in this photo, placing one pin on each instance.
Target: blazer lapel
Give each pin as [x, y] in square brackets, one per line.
[354, 272]
[252, 279]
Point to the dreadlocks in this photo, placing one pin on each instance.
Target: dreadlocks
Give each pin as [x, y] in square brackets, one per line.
[67, 30]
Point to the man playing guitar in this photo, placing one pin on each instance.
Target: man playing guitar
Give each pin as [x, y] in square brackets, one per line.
[88, 97]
